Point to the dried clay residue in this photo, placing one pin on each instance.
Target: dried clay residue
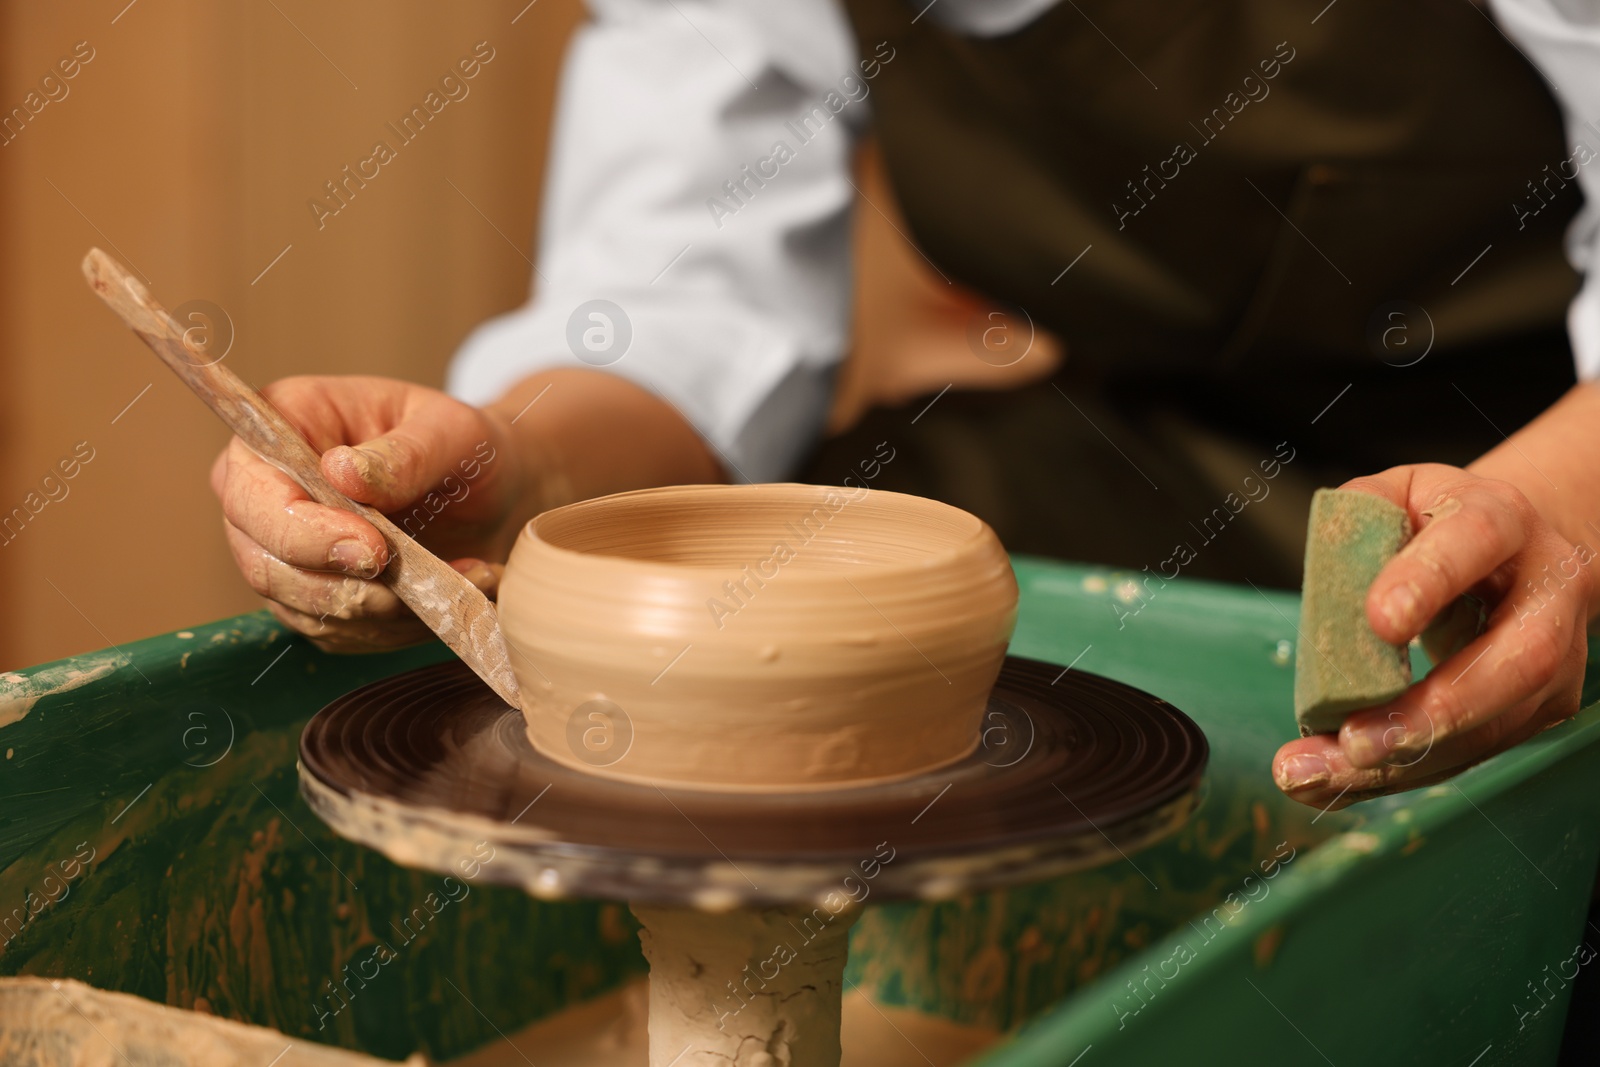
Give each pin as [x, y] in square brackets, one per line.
[19, 693]
[611, 1031]
[79, 1026]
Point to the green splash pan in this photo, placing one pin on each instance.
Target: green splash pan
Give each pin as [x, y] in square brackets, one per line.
[1404, 930]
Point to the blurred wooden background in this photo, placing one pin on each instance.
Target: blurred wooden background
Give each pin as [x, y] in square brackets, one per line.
[188, 147]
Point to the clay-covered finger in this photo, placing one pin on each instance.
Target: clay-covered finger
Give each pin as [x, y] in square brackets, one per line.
[483, 574]
[1471, 530]
[1316, 771]
[318, 593]
[340, 614]
[1515, 661]
[271, 509]
[427, 443]
[357, 635]
[1457, 626]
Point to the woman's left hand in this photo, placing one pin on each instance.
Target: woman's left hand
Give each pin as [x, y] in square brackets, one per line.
[1490, 691]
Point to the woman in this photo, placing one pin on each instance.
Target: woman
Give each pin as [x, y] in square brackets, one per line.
[1237, 216]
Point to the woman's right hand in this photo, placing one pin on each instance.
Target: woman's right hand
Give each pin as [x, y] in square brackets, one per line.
[446, 472]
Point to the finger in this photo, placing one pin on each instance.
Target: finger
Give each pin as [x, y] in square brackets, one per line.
[1518, 659]
[219, 471]
[318, 593]
[483, 574]
[1471, 530]
[358, 635]
[272, 510]
[330, 411]
[1394, 484]
[1458, 625]
[355, 623]
[1317, 772]
[396, 468]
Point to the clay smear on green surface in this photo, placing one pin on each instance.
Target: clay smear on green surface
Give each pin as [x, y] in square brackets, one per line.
[20, 692]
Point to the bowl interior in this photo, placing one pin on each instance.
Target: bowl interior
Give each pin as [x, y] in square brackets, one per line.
[727, 526]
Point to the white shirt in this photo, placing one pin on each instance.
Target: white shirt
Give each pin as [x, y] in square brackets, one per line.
[738, 314]
[1562, 39]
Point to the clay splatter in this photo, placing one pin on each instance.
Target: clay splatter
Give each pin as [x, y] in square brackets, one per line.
[19, 693]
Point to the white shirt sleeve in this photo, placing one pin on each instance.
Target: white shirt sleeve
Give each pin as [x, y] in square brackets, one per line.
[1563, 38]
[736, 295]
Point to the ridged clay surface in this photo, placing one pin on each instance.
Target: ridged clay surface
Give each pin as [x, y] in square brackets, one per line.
[758, 637]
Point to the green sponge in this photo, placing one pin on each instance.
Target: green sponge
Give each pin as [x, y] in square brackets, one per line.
[1341, 664]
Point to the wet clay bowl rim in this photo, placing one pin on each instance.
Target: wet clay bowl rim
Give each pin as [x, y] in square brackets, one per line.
[756, 637]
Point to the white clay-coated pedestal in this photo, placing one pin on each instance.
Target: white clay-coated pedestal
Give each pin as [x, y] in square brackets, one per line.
[746, 988]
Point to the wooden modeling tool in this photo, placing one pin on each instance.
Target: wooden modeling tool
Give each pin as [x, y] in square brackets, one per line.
[441, 596]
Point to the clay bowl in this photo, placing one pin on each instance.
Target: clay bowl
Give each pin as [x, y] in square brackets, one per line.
[757, 637]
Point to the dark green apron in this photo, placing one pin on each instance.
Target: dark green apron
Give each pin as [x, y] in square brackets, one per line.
[1243, 195]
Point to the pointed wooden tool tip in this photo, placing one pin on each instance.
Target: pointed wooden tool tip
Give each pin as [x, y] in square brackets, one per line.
[99, 268]
[126, 295]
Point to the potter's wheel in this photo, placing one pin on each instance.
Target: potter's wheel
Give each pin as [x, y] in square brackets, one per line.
[1075, 771]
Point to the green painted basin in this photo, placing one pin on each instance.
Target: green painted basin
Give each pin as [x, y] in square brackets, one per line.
[153, 841]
